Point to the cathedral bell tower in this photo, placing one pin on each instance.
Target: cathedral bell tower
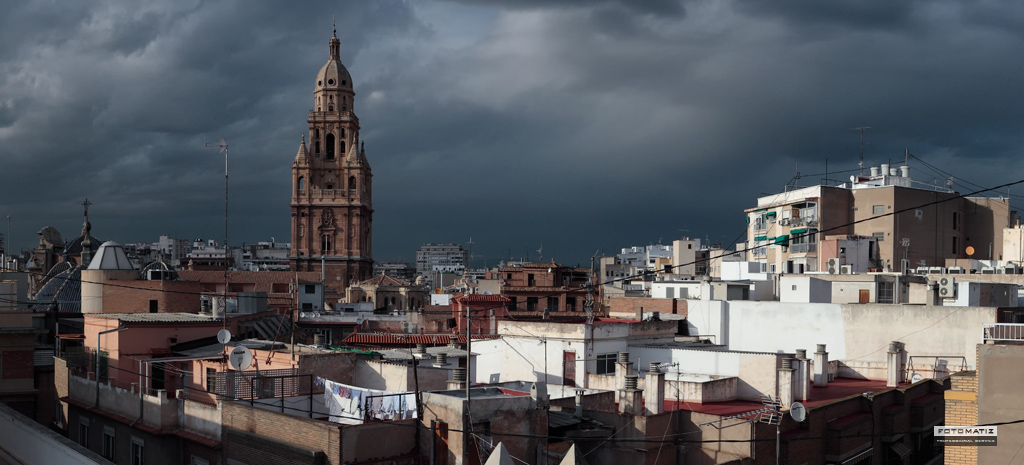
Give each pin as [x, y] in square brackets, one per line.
[332, 212]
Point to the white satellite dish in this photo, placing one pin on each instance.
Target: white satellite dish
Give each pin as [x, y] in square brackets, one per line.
[916, 378]
[798, 411]
[240, 358]
[223, 336]
[359, 320]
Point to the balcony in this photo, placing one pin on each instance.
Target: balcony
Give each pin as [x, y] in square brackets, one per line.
[803, 248]
[1003, 332]
[329, 193]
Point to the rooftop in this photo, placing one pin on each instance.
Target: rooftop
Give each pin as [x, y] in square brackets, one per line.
[157, 317]
[841, 388]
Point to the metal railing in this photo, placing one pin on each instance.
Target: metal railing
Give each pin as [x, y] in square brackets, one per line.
[1003, 332]
[803, 248]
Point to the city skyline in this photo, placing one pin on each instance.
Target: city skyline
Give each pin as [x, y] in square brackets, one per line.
[567, 126]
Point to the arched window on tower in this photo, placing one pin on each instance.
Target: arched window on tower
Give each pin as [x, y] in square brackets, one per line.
[316, 142]
[302, 185]
[325, 243]
[342, 144]
[352, 183]
[330, 146]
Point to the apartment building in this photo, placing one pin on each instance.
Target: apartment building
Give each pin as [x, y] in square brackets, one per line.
[909, 224]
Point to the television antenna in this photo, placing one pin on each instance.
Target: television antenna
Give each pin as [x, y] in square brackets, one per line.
[861, 164]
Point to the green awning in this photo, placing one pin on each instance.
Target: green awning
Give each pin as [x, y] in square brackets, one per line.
[798, 231]
[760, 238]
[782, 240]
[771, 214]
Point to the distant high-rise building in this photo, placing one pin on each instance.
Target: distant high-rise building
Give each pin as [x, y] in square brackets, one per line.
[331, 191]
[447, 258]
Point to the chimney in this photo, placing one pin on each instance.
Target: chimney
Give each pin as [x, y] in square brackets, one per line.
[821, 367]
[421, 349]
[786, 386]
[622, 369]
[905, 171]
[442, 360]
[654, 401]
[631, 398]
[579, 404]
[874, 171]
[458, 379]
[802, 377]
[932, 295]
[453, 342]
[894, 371]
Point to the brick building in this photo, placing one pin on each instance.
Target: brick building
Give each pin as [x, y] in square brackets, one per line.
[534, 288]
[331, 201]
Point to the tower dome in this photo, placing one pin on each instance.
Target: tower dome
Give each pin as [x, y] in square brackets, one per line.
[333, 76]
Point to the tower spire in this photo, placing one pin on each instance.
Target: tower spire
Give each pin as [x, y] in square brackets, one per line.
[335, 45]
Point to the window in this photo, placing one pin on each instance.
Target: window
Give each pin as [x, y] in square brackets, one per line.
[531, 304]
[330, 141]
[83, 432]
[138, 451]
[108, 443]
[352, 182]
[879, 236]
[955, 245]
[878, 210]
[211, 380]
[325, 243]
[955, 221]
[307, 306]
[570, 304]
[553, 304]
[199, 461]
[302, 185]
[885, 292]
[153, 306]
[310, 288]
[606, 364]
[670, 293]
[530, 281]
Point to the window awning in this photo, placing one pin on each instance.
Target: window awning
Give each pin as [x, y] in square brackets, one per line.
[798, 231]
[900, 449]
[771, 214]
[782, 240]
[760, 238]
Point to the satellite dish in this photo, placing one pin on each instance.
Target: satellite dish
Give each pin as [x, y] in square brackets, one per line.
[970, 250]
[916, 378]
[359, 320]
[798, 412]
[240, 358]
[223, 336]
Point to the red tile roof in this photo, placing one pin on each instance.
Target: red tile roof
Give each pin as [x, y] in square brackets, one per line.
[473, 298]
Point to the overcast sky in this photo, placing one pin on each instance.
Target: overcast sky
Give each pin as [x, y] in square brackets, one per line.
[578, 125]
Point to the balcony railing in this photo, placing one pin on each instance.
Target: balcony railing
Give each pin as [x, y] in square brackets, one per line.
[803, 248]
[997, 332]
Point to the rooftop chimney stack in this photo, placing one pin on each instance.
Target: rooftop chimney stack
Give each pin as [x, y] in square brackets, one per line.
[802, 378]
[442, 360]
[821, 367]
[654, 401]
[631, 398]
[623, 368]
[894, 370]
[579, 404]
[458, 379]
[786, 386]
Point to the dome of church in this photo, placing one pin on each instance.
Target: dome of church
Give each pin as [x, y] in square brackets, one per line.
[333, 75]
[110, 256]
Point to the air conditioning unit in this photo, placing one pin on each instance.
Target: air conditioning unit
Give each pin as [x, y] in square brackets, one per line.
[947, 287]
[784, 222]
[833, 266]
[846, 269]
[955, 270]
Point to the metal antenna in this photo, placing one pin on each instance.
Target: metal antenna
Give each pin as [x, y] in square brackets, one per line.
[861, 164]
[223, 145]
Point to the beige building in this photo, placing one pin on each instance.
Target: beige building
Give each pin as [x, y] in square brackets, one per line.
[331, 203]
[903, 222]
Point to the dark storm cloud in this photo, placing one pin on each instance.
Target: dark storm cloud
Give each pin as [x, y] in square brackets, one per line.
[579, 125]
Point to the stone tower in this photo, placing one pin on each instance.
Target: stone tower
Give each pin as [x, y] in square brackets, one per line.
[332, 211]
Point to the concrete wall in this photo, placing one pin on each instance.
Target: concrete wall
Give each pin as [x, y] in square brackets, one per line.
[399, 376]
[200, 418]
[33, 443]
[803, 289]
[998, 399]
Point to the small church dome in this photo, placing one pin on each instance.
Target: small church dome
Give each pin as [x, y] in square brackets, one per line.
[110, 256]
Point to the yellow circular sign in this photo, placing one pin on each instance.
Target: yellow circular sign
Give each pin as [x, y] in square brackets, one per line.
[970, 251]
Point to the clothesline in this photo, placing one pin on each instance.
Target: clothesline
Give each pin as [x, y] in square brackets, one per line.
[356, 403]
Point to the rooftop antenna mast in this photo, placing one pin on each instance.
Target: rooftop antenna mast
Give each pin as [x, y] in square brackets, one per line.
[861, 164]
